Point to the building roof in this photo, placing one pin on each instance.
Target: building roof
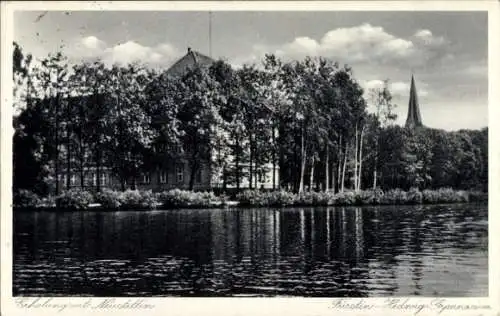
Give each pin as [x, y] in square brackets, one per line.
[414, 119]
[189, 61]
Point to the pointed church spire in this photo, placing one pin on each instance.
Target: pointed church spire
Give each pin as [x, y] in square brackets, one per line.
[414, 119]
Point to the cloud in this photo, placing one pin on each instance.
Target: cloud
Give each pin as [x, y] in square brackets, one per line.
[362, 44]
[397, 88]
[92, 42]
[427, 38]
[91, 47]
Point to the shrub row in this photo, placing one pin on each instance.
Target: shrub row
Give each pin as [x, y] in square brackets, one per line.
[134, 199]
[76, 199]
[347, 198]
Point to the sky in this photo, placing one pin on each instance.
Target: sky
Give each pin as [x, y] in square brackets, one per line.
[447, 52]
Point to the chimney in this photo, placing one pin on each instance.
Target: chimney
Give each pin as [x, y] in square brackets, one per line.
[189, 50]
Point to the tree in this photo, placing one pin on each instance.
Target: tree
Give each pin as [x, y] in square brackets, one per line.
[89, 81]
[384, 116]
[127, 132]
[52, 79]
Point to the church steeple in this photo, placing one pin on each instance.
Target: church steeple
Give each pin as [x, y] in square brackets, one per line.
[414, 119]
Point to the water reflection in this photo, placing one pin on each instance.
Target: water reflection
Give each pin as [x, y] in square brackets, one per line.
[432, 250]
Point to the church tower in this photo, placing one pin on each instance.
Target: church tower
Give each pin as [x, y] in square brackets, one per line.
[414, 119]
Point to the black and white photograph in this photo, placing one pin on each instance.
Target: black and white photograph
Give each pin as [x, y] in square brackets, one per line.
[249, 153]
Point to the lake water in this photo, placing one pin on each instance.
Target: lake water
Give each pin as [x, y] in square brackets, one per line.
[330, 252]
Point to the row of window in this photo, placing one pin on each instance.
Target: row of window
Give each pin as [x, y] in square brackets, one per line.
[179, 176]
[89, 179]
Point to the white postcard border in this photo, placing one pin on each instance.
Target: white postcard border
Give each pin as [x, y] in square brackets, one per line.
[249, 306]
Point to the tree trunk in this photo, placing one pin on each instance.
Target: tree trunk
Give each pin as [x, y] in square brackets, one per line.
[193, 166]
[224, 178]
[360, 171]
[311, 179]
[258, 183]
[302, 162]
[68, 150]
[98, 165]
[274, 159]
[339, 163]
[356, 158]
[327, 171]
[192, 175]
[342, 185]
[98, 148]
[237, 158]
[82, 147]
[375, 164]
[332, 170]
[57, 142]
[250, 168]
[82, 174]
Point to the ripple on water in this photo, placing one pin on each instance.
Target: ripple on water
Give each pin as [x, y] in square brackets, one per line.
[432, 250]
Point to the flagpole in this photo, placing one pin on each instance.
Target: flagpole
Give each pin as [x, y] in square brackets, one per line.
[210, 34]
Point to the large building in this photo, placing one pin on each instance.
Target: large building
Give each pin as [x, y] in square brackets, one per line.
[174, 173]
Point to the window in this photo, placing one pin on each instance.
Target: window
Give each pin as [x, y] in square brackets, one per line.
[94, 179]
[63, 179]
[179, 171]
[73, 179]
[103, 179]
[163, 177]
[146, 178]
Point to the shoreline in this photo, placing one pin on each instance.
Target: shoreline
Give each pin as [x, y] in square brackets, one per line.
[227, 207]
[79, 200]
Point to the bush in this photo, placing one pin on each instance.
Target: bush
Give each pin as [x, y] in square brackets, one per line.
[304, 199]
[74, 199]
[281, 198]
[180, 198]
[430, 196]
[109, 199]
[134, 199]
[395, 196]
[366, 198]
[478, 196]
[414, 196]
[131, 199]
[250, 198]
[345, 198]
[26, 199]
[445, 195]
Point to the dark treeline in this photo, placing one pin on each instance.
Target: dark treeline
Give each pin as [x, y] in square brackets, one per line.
[308, 118]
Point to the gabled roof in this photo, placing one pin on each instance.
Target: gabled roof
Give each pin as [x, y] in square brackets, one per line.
[191, 60]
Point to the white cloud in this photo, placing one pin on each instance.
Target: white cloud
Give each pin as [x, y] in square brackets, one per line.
[427, 38]
[128, 52]
[123, 53]
[93, 42]
[399, 89]
[363, 43]
[423, 33]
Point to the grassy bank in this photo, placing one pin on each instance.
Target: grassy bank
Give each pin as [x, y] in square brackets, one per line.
[147, 200]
